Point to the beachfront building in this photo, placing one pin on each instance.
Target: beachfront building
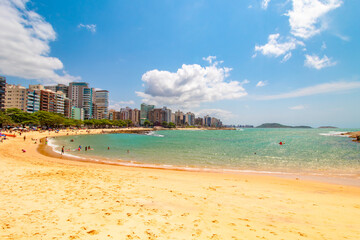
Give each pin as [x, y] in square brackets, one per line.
[156, 116]
[15, 97]
[60, 87]
[33, 100]
[52, 101]
[207, 121]
[134, 116]
[77, 113]
[144, 112]
[215, 122]
[2, 92]
[172, 118]
[167, 114]
[199, 121]
[189, 119]
[179, 118]
[67, 107]
[88, 102]
[75, 93]
[101, 104]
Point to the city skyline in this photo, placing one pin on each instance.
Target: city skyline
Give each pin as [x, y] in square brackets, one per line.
[250, 62]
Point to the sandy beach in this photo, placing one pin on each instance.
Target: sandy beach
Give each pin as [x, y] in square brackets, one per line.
[45, 197]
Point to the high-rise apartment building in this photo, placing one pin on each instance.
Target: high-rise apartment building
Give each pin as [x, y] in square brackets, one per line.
[2, 92]
[134, 116]
[52, 101]
[76, 92]
[77, 113]
[67, 107]
[207, 121]
[102, 104]
[144, 112]
[179, 118]
[60, 87]
[190, 118]
[33, 100]
[88, 102]
[199, 121]
[167, 114]
[15, 97]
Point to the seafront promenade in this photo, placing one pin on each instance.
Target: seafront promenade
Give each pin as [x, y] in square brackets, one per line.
[44, 197]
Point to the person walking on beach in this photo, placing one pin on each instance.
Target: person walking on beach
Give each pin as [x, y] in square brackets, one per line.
[24, 138]
[62, 150]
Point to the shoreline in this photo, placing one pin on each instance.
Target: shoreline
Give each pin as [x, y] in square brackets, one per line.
[324, 177]
[62, 199]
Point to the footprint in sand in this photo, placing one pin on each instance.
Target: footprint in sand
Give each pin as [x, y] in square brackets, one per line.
[92, 232]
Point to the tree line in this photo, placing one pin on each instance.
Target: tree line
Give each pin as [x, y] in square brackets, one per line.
[17, 117]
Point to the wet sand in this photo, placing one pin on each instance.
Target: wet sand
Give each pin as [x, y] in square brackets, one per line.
[47, 197]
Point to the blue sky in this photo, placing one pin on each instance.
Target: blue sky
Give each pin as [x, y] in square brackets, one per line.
[247, 62]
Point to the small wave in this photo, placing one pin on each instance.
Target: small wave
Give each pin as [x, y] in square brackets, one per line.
[333, 133]
[154, 134]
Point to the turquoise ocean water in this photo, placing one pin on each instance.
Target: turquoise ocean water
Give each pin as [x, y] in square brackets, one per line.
[310, 151]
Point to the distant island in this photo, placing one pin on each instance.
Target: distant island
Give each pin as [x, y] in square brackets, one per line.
[327, 127]
[278, 125]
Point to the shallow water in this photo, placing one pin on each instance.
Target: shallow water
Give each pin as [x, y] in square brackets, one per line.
[313, 151]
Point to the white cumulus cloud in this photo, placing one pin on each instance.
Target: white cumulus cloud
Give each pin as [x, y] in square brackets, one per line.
[24, 45]
[261, 84]
[306, 15]
[277, 46]
[89, 27]
[314, 61]
[190, 85]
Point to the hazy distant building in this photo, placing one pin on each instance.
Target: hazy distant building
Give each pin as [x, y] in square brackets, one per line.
[199, 121]
[102, 104]
[179, 118]
[15, 97]
[60, 87]
[189, 118]
[2, 92]
[167, 114]
[207, 121]
[134, 116]
[144, 112]
[215, 122]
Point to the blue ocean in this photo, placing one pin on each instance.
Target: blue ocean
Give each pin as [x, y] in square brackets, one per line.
[303, 151]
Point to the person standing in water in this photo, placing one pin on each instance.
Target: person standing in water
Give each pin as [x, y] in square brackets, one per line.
[62, 150]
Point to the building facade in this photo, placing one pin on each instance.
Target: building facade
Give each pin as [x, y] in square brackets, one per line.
[15, 97]
[33, 100]
[2, 92]
[102, 104]
[60, 87]
[144, 112]
[189, 119]
[75, 93]
[77, 113]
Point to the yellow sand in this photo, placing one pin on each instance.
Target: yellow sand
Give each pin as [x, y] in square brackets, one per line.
[49, 198]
